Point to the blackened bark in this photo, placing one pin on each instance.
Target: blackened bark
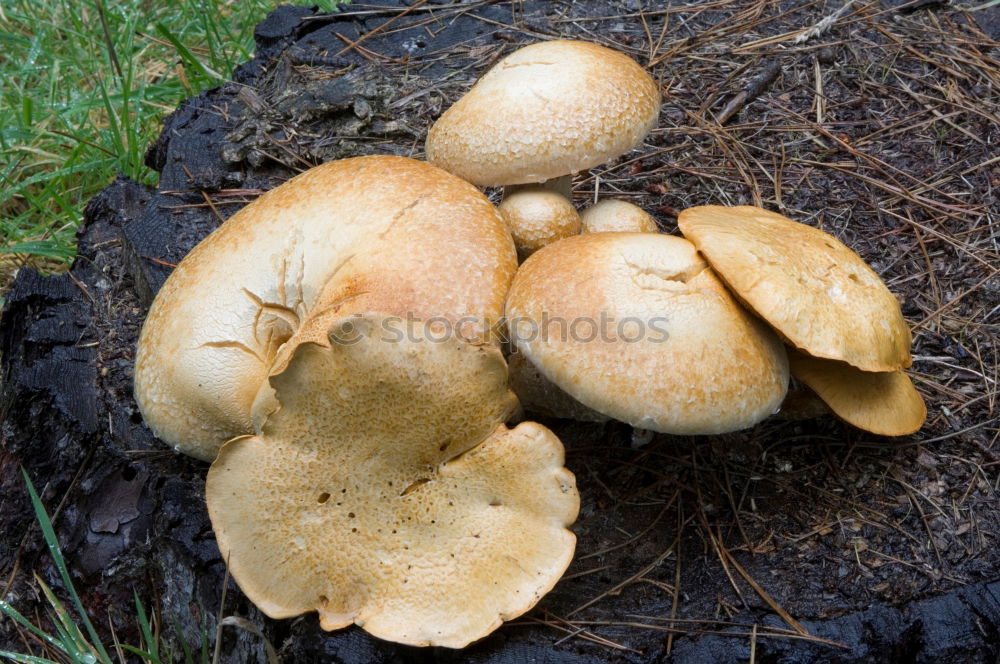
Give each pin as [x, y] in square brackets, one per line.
[132, 516]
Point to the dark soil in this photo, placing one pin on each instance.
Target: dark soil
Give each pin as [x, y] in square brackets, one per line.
[797, 541]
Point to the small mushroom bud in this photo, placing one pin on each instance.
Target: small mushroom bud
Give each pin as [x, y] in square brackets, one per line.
[536, 217]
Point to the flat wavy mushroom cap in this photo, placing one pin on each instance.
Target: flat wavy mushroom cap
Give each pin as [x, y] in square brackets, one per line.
[612, 214]
[884, 403]
[637, 326]
[546, 111]
[537, 216]
[386, 492]
[371, 233]
[817, 293]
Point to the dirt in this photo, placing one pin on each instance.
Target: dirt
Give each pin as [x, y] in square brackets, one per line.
[795, 541]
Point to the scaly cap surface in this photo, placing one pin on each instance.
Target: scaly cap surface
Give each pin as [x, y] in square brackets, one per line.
[546, 110]
[537, 217]
[385, 491]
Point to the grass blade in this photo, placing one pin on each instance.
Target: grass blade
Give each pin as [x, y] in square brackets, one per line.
[53, 545]
[149, 639]
[14, 615]
[25, 659]
[187, 56]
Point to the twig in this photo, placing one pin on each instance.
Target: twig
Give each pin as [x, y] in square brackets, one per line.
[754, 88]
[824, 24]
[378, 29]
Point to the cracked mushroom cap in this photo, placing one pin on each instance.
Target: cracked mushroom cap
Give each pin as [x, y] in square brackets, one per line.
[546, 110]
[386, 492]
[386, 234]
[637, 326]
[537, 216]
[884, 403]
[818, 294]
[612, 214]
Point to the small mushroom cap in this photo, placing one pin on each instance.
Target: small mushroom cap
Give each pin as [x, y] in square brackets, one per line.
[817, 293]
[885, 403]
[386, 492]
[637, 326]
[537, 217]
[546, 110]
[371, 233]
[612, 214]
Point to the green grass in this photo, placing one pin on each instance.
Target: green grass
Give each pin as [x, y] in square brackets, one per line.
[85, 86]
[73, 638]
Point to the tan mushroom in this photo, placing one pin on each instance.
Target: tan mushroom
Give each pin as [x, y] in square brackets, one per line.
[386, 491]
[885, 403]
[546, 111]
[537, 217]
[541, 396]
[386, 234]
[637, 326]
[612, 214]
[817, 293]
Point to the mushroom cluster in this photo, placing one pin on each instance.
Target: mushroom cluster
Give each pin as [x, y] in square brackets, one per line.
[361, 463]
[684, 336]
[707, 314]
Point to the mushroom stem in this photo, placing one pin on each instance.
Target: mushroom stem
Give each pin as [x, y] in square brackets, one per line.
[561, 185]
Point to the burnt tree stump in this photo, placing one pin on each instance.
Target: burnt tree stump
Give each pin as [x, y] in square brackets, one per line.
[879, 550]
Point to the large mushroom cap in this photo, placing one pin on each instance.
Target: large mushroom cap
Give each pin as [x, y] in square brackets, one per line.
[541, 396]
[386, 491]
[384, 234]
[885, 403]
[637, 326]
[544, 111]
[813, 290]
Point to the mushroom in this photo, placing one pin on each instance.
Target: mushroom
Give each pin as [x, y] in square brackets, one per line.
[537, 217]
[546, 111]
[541, 396]
[885, 403]
[637, 327]
[612, 214]
[386, 491]
[381, 233]
[818, 294]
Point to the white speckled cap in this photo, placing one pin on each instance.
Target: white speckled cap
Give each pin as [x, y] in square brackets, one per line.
[386, 234]
[544, 111]
[817, 293]
[637, 326]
